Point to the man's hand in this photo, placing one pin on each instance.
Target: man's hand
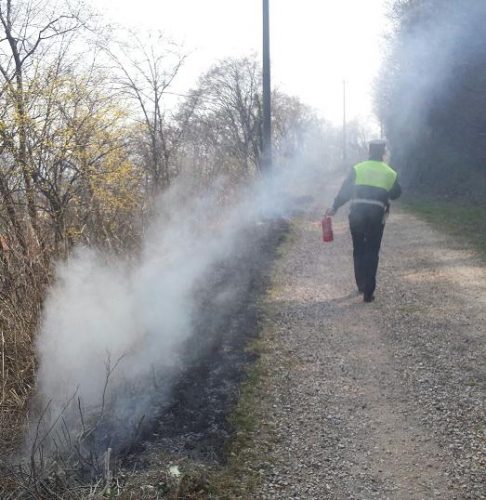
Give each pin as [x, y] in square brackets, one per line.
[330, 212]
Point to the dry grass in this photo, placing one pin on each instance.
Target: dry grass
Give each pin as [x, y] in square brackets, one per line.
[20, 304]
[22, 287]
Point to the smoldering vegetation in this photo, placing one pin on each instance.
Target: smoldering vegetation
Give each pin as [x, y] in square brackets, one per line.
[91, 134]
[154, 344]
[431, 96]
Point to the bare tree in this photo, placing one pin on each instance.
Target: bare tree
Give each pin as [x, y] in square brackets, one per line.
[147, 68]
[232, 111]
[225, 134]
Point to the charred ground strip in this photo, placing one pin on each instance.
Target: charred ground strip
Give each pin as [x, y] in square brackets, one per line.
[187, 419]
[194, 423]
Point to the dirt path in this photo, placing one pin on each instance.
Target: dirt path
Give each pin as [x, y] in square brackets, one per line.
[381, 400]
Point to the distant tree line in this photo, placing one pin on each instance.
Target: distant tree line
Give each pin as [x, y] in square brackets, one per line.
[431, 95]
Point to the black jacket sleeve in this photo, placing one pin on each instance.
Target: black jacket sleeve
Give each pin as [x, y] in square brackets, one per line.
[395, 191]
[346, 191]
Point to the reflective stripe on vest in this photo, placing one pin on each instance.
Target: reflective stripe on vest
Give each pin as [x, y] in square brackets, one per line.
[375, 174]
[368, 202]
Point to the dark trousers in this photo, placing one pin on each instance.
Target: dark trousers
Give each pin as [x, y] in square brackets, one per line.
[367, 232]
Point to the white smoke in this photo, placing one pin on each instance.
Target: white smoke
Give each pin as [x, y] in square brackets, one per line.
[112, 329]
[435, 43]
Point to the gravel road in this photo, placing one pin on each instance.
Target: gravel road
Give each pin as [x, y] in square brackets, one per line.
[380, 400]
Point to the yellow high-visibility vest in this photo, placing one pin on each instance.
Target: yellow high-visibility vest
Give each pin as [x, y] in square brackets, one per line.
[375, 174]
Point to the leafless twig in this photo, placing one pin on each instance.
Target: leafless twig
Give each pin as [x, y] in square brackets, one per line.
[3, 369]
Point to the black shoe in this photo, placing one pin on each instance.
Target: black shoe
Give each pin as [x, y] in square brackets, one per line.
[368, 297]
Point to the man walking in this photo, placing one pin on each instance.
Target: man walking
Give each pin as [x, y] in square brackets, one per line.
[370, 186]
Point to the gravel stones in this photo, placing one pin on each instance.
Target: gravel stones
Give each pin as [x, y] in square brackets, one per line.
[382, 400]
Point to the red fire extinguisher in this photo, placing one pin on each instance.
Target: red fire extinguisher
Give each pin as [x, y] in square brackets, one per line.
[327, 234]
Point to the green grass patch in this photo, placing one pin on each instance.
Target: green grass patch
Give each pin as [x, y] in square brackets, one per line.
[464, 220]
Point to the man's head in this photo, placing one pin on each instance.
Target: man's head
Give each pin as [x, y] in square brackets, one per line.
[377, 150]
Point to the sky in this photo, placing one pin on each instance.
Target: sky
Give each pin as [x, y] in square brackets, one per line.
[315, 44]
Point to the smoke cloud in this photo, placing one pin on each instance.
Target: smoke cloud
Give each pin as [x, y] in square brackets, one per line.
[112, 332]
[429, 92]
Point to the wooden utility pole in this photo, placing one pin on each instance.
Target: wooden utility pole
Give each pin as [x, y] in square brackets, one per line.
[267, 105]
[345, 139]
